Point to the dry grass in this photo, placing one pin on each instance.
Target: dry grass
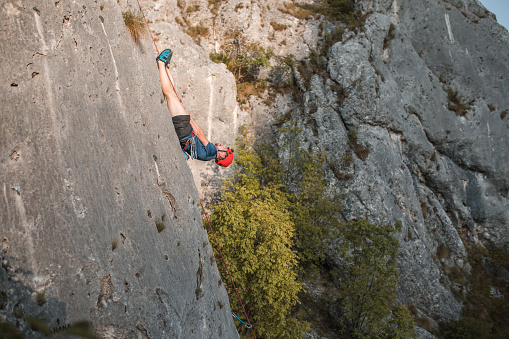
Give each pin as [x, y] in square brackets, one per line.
[246, 89]
[215, 5]
[114, 244]
[180, 21]
[338, 173]
[390, 36]
[424, 323]
[160, 224]
[443, 252]
[135, 25]
[278, 27]
[198, 31]
[41, 298]
[455, 103]
[296, 11]
[194, 8]
[361, 151]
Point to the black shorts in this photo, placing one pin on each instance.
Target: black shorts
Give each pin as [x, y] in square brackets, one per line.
[182, 125]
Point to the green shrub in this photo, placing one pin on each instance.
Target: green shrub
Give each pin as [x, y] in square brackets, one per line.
[243, 59]
[484, 316]
[368, 280]
[334, 10]
[254, 227]
[465, 328]
[315, 207]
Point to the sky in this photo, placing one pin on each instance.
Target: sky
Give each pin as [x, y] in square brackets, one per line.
[500, 8]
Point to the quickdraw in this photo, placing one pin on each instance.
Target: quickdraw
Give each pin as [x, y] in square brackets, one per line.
[243, 323]
[192, 143]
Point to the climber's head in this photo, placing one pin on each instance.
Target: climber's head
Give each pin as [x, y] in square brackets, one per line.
[224, 155]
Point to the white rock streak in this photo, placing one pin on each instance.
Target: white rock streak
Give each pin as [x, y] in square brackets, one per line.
[448, 23]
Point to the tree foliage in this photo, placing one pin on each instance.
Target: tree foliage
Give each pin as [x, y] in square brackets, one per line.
[368, 281]
[315, 205]
[278, 216]
[256, 231]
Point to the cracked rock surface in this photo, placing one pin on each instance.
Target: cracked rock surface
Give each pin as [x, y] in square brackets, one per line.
[98, 210]
[424, 85]
[443, 174]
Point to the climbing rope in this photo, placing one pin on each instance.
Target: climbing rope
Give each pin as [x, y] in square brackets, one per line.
[157, 50]
[248, 325]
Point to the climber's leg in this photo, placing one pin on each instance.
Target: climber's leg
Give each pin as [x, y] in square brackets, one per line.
[174, 104]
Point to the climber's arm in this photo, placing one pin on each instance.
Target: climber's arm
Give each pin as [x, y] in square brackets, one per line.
[199, 133]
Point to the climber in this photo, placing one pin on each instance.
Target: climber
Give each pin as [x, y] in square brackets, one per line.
[193, 141]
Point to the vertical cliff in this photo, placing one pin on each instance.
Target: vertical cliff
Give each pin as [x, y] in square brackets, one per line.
[100, 217]
[422, 85]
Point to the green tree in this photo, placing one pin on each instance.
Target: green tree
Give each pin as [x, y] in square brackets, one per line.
[368, 281]
[314, 205]
[255, 229]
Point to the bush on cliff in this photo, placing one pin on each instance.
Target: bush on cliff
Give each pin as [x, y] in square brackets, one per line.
[255, 229]
[279, 216]
[368, 280]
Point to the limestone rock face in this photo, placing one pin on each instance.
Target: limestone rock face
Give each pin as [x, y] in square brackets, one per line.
[441, 170]
[424, 85]
[99, 211]
[209, 90]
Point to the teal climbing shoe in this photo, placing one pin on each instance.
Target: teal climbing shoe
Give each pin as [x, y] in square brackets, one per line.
[165, 57]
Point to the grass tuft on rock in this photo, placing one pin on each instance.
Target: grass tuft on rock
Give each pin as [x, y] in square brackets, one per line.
[135, 25]
[198, 31]
[160, 224]
[41, 298]
[361, 151]
[455, 104]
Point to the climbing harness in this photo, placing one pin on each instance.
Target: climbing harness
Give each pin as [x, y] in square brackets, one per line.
[248, 325]
[190, 142]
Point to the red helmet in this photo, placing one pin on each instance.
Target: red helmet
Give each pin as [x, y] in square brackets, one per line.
[226, 159]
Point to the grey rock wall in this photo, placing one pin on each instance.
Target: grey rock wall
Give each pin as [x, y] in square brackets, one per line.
[208, 89]
[444, 175]
[89, 163]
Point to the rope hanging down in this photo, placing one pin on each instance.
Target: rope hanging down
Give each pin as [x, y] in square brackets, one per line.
[248, 325]
[228, 270]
